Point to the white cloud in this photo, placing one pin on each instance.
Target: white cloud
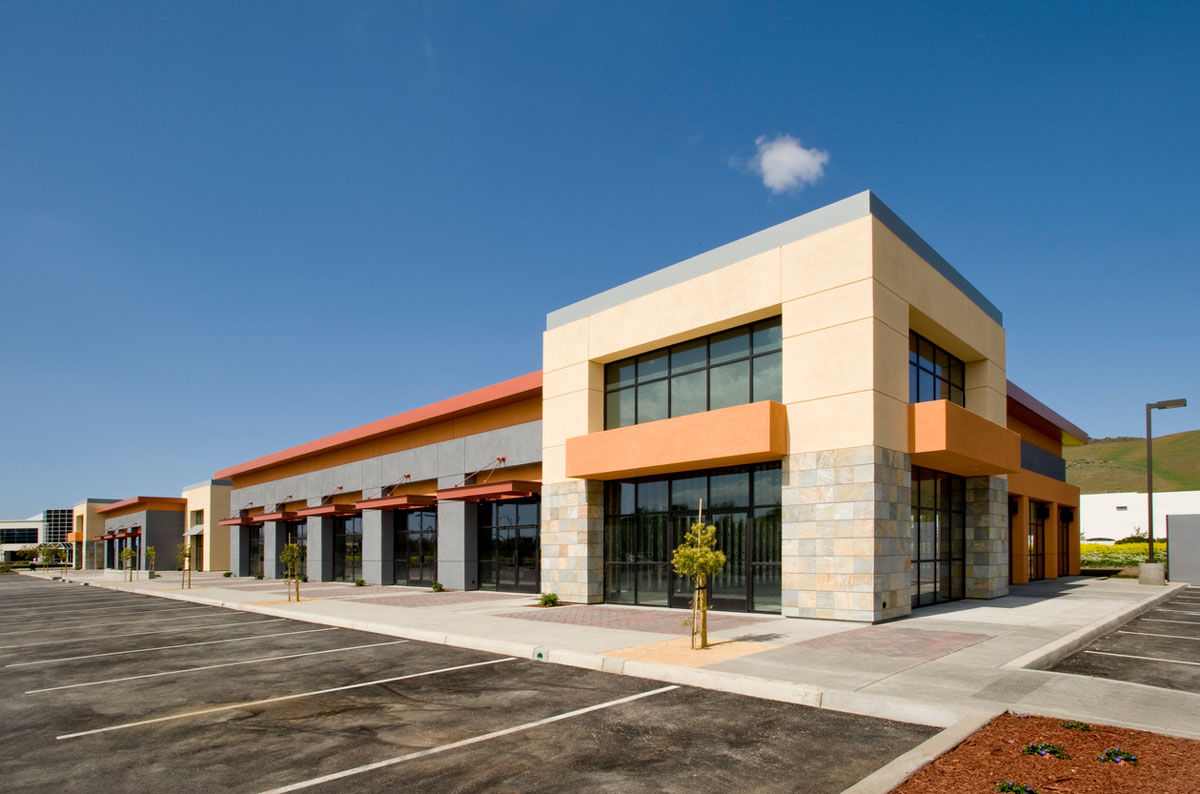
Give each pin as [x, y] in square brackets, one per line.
[785, 165]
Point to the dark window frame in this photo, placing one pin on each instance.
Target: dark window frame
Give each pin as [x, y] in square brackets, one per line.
[486, 521]
[673, 515]
[944, 496]
[669, 376]
[940, 368]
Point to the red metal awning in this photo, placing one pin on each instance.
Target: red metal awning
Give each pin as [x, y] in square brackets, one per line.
[405, 502]
[237, 521]
[328, 510]
[282, 515]
[510, 489]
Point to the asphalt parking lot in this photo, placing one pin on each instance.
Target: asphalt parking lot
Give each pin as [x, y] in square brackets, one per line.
[108, 691]
[1161, 647]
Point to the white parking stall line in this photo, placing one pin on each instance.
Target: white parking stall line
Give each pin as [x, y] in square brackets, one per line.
[281, 698]
[214, 666]
[59, 627]
[142, 633]
[166, 647]
[1144, 658]
[132, 612]
[1168, 620]
[442, 748]
[90, 610]
[1182, 611]
[1168, 636]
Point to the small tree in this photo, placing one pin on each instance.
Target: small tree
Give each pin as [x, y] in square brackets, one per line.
[289, 555]
[697, 559]
[150, 555]
[127, 557]
[60, 554]
[184, 558]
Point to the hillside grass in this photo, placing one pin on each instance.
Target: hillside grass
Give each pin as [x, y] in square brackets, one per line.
[1119, 464]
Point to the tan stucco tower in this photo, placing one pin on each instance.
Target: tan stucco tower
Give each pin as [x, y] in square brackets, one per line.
[854, 288]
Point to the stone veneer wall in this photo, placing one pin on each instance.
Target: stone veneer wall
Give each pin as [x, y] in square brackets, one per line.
[847, 534]
[986, 563]
[572, 540]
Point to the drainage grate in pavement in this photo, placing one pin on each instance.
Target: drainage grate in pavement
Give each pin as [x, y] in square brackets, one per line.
[1012, 687]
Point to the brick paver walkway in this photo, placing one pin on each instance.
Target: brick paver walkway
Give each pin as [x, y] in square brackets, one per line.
[632, 618]
[888, 641]
[419, 599]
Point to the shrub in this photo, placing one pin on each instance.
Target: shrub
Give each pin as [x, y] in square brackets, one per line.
[1015, 788]
[1115, 755]
[359, 582]
[437, 587]
[1098, 555]
[1045, 748]
[1072, 725]
[549, 599]
[227, 574]
[258, 576]
[304, 577]
[5, 568]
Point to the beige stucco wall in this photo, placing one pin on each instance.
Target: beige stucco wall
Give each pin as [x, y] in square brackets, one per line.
[93, 526]
[213, 499]
[848, 297]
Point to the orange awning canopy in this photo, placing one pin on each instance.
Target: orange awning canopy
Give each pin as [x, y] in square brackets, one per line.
[508, 489]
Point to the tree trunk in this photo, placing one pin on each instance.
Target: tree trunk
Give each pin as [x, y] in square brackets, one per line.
[703, 612]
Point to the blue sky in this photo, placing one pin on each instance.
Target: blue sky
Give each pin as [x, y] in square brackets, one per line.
[228, 228]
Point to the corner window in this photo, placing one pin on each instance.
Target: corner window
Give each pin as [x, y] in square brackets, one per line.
[735, 367]
[933, 374]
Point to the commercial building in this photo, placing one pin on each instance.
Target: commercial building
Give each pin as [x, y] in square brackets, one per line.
[1118, 515]
[51, 526]
[829, 393]
[85, 537]
[138, 523]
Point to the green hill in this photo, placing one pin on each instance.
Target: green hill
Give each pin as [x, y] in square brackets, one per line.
[1119, 464]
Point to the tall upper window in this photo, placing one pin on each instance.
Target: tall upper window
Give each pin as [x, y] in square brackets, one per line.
[933, 374]
[734, 367]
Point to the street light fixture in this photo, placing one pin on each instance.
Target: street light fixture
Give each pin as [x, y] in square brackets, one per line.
[1163, 405]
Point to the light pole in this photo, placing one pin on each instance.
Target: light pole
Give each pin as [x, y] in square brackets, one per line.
[1163, 405]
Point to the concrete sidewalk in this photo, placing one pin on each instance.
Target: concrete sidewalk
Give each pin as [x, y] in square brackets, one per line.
[962, 661]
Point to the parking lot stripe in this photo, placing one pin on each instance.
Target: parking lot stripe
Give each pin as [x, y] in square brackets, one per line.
[1168, 620]
[167, 647]
[98, 625]
[1184, 611]
[136, 612]
[358, 770]
[1168, 636]
[140, 633]
[1144, 658]
[215, 666]
[72, 611]
[281, 698]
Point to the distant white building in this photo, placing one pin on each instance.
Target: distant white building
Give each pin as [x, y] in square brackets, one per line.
[1118, 515]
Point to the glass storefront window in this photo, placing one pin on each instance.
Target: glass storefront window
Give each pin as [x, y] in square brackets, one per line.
[939, 528]
[646, 518]
[734, 367]
[509, 551]
[933, 374]
[347, 548]
[415, 547]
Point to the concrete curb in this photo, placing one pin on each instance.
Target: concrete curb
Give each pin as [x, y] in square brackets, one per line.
[886, 707]
[900, 769]
[1046, 656]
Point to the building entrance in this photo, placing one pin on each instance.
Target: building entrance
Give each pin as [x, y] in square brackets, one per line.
[415, 545]
[509, 553]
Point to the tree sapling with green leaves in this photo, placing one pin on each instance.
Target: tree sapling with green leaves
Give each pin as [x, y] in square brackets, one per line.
[698, 559]
[184, 558]
[151, 553]
[290, 557]
[127, 557]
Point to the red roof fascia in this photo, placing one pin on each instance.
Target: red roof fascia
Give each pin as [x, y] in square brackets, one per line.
[136, 500]
[406, 502]
[512, 489]
[509, 391]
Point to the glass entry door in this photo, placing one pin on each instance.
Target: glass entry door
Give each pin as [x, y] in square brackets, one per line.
[347, 548]
[415, 545]
[297, 532]
[256, 550]
[509, 556]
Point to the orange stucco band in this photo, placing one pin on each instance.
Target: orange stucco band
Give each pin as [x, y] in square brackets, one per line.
[753, 433]
[137, 504]
[945, 436]
[1043, 489]
[74, 537]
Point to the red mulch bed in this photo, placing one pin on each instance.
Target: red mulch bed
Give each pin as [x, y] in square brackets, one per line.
[1166, 765]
